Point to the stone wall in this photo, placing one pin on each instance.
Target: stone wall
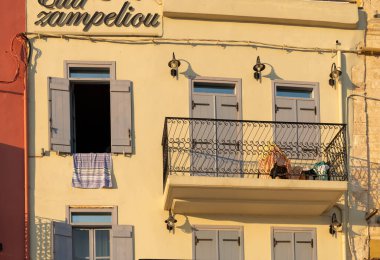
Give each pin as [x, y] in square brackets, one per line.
[365, 141]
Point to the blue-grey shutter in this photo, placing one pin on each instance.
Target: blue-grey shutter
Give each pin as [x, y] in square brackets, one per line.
[286, 134]
[308, 135]
[122, 242]
[283, 245]
[206, 245]
[203, 156]
[230, 245]
[304, 245]
[229, 135]
[121, 116]
[60, 115]
[62, 241]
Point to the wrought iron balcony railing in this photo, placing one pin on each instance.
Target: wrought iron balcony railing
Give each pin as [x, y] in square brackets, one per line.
[254, 149]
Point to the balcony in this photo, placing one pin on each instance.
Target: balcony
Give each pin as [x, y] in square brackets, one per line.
[252, 167]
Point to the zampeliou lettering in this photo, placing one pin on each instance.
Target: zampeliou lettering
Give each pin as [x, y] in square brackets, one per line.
[125, 17]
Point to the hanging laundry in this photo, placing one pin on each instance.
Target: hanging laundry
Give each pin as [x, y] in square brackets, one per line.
[92, 170]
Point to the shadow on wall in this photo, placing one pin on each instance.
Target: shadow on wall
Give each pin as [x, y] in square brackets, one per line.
[43, 238]
[360, 198]
[11, 202]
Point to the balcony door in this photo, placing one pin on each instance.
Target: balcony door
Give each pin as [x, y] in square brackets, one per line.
[297, 103]
[216, 137]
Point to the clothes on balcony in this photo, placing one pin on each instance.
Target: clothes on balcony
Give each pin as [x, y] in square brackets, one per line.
[92, 170]
[272, 155]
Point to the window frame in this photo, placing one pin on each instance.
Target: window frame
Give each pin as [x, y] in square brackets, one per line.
[313, 86]
[111, 65]
[74, 209]
[92, 226]
[217, 80]
[240, 229]
[313, 232]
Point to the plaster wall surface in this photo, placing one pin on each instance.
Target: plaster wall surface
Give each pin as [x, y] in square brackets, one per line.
[12, 19]
[156, 95]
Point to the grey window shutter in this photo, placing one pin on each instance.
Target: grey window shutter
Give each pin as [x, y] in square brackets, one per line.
[230, 245]
[60, 115]
[203, 156]
[229, 135]
[206, 245]
[283, 245]
[122, 242]
[304, 245]
[62, 242]
[121, 116]
[308, 135]
[286, 134]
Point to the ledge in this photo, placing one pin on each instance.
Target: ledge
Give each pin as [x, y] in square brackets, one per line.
[289, 12]
[244, 196]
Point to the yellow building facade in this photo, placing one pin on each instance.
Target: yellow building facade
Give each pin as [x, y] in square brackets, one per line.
[214, 185]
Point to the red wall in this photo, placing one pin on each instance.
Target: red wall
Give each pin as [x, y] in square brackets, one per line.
[12, 22]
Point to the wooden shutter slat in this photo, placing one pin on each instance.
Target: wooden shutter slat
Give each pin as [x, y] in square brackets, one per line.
[122, 242]
[60, 115]
[62, 241]
[121, 116]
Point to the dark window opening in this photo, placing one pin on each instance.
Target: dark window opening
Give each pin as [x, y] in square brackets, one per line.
[92, 127]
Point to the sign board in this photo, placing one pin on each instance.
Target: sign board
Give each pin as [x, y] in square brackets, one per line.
[95, 17]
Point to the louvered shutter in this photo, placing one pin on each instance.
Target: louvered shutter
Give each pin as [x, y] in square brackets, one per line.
[122, 242]
[308, 135]
[206, 245]
[283, 245]
[304, 244]
[62, 241]
[121, 116]
[60, 115]
[230, 245]
[228, 136]
[203, 153]
[286, 134]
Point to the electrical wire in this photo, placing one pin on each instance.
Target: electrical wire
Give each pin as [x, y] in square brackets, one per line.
[25, 48]
[223, 43]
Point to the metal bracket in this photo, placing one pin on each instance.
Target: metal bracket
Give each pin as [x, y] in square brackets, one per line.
[275, 242]
[228, 105]
[201, 239]
[233, 240]
[311, 242]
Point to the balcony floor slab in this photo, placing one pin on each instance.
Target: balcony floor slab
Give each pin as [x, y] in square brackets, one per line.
[250, 196]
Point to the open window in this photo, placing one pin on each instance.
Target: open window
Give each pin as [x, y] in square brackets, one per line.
[90, 111]
[92, 234]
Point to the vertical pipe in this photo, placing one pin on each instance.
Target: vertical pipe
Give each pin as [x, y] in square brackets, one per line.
[26, 163]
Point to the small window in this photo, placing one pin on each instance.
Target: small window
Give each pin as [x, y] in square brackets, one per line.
[89, 73]
[92, 234]
[214, 88]
[294, 92]
[90, 111]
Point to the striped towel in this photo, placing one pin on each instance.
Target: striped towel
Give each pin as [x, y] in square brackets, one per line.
[92, 170]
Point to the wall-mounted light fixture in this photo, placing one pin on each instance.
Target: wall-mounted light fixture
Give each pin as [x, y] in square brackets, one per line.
[258, 68]
[174, 65]
[335, 225]
[334, 74]
[170, 221]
